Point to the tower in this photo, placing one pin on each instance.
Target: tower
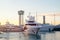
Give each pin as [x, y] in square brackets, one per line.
[20, 13]
[43, 19]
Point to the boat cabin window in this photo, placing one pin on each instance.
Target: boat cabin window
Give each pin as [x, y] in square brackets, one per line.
[31, 24]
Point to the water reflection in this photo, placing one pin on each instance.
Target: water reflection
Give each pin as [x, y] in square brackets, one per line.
[25, 36]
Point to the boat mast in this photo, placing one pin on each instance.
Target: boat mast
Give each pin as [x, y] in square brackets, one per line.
[54, 18]
[36, 15]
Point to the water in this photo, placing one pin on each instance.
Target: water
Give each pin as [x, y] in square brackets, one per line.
[25, 36]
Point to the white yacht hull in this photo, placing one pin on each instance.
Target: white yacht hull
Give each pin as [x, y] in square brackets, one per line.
[41, 29]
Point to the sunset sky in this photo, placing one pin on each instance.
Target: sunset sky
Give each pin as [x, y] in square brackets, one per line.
[9, 8]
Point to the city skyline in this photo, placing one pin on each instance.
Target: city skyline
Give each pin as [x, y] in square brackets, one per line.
[9, 9]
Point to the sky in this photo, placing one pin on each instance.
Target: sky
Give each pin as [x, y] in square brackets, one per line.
[9, 10]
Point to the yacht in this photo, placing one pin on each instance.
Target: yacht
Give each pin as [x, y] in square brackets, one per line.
[34, 27]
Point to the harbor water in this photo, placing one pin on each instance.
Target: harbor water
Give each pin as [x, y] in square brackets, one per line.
[23, 36]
